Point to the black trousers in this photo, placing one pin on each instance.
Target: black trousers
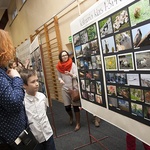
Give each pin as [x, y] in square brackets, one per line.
[5, 147]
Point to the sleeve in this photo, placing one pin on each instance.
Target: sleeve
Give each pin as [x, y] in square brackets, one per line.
[11, 94]
[59, 75]
[74, 70]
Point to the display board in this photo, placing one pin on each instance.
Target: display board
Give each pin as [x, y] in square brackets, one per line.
[23, 51]
[112, 51]
[35, 54]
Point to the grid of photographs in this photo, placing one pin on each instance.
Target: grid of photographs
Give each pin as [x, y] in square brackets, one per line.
[89, 65]
[125, 44]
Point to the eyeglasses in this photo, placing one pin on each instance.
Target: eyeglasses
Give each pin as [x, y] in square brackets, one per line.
[64, 55]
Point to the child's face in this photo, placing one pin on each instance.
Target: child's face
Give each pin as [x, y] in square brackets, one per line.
[33, 85]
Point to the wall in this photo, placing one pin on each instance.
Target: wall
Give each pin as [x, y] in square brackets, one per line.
[36, 13]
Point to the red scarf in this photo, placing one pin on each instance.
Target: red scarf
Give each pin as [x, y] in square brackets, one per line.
[64, 66]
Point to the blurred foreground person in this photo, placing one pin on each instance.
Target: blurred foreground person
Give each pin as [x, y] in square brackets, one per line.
[12, 112]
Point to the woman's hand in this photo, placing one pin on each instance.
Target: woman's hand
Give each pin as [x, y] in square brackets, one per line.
[68, 73]
[13, 73]
[61, 82]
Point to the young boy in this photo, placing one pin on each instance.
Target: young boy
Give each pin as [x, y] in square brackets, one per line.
[36, 106]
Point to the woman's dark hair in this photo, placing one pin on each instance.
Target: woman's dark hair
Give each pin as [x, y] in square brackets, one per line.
[60, 55]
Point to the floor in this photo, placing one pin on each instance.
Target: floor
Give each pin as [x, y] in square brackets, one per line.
[108, 137]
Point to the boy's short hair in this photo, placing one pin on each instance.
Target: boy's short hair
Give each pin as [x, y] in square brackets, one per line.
[26, 74]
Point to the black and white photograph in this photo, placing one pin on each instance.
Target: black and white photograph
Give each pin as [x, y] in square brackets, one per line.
[133, 79]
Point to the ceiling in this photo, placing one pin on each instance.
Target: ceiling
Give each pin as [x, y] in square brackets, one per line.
[4, 4]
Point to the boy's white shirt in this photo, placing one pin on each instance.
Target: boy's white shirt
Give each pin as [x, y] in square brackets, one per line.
[36, 107]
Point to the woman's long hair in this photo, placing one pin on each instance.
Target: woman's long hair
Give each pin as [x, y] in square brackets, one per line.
[7, 50]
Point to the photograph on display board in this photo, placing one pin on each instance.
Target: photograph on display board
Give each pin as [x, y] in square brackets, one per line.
[83, 84]
[142, 60]
[141, 36]
[98, 62]
[105, 26]
[96, 74]
[110, 77]
[81, 74]
[87, 85]
[91, 97]
[84, 95]
[123, 105]
[125, 61]
[98, 88]
[108, 45]
[92, 32]
[133, 79]
[137, 109]
[86, 49]
[145, 80]
[37, 65]
[136, 94]
[92, 87]
[111, 90]
[98, 99]
[110, 63]
[113, 102]
[147, 112]
[80, 63]
[88, 74]
[139, 12]
[87, 63]
[76, 39]
[121, 78]
[83, 37]
[78, 51]
[120, 20]
[147, 96]
[123, 41]
[123, 92]
[94, 47]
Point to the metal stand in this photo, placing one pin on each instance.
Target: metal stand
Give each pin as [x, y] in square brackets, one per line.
[54, 126]
[92, 137]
